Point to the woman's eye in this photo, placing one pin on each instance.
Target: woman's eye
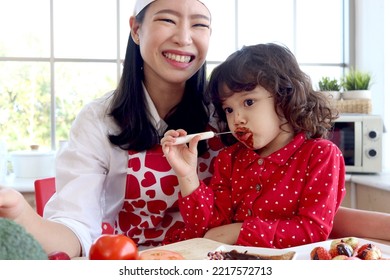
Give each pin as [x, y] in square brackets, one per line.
[166, 20]
[202, 25]
[249, 102]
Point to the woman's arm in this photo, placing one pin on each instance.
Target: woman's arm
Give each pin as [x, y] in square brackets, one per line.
[52, 236]
[361, 223]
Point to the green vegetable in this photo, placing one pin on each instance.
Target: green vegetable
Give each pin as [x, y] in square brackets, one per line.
[17, 244]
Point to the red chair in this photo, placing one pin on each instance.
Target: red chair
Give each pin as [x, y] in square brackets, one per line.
[44, 189]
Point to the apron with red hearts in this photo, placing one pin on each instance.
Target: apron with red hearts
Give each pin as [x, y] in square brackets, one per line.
[150, 210]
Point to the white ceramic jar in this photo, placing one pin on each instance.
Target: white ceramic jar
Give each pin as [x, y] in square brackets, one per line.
[33, 164]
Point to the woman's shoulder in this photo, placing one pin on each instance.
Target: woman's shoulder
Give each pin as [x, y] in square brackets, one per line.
[98, 112]
[101, 104]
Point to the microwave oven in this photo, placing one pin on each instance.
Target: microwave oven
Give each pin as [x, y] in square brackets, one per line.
[359, 137]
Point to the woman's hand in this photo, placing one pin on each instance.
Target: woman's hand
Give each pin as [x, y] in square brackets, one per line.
[12, 203]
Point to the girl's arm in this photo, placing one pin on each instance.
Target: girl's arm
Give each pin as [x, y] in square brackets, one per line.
[361, 223]
[52, 236]
[227, 234]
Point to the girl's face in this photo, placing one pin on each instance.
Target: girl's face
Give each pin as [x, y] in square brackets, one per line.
[173, 39]
[252, 118]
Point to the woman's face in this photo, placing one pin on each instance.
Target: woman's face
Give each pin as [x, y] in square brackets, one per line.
[252, 118]
[173, 39]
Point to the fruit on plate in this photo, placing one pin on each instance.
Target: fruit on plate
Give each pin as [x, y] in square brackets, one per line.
[57, 255]
[113, 247]
[344, 257]
[348, 248]
[157, 254]
[320, 253]
[351, 241]
[369, 251]
[341, 248]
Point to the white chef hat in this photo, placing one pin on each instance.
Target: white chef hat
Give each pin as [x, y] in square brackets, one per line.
[141, 4]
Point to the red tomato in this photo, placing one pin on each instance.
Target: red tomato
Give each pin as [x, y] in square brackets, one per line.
[156, 254]
[113, 247]
[58, 256]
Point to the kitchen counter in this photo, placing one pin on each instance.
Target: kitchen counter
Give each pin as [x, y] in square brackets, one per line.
[378, 181]
[20, 184]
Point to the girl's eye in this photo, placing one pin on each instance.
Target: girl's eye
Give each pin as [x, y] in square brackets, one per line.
[249, 102]
[228, 110]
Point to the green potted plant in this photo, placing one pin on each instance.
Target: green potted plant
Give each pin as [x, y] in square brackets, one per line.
[356, 85]
[330, 87]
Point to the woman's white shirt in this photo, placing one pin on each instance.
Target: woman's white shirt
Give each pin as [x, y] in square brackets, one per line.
[91, 173]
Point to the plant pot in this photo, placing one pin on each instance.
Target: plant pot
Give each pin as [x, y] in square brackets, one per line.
[332, 94]
[356, 94]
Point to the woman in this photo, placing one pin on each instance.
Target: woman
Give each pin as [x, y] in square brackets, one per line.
[97, 178]
[113, 169]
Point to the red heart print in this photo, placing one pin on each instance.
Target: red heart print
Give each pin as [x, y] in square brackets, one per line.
[134, 164]
[155, 160]
[138, 203]
[152, 233]
[132, 187]
[202, 167]
[168, 184]
[156, 220]
[156, 206]
[127, 220]
[167, 221]
[151, 193]
[149, 179]
[144, 224]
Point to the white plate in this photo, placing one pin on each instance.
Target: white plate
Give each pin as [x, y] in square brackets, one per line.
[302, 252]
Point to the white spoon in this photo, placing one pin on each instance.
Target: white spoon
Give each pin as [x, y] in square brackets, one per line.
[203, 136]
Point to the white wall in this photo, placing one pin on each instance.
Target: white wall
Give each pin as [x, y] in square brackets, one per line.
[372, 39]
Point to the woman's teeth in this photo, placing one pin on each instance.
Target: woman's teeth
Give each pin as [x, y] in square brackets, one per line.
[178, 58]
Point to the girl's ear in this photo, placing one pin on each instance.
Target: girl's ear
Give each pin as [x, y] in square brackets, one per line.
[134, 27]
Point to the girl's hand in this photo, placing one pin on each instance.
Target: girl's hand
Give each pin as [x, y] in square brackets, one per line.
[182, 158]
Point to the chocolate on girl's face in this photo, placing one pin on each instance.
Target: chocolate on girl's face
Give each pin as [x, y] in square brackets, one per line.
[245, 136]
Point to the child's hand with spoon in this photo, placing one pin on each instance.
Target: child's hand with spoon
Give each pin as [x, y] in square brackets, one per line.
[182, 157]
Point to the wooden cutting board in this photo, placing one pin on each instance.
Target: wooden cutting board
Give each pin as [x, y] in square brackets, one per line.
[192, 249]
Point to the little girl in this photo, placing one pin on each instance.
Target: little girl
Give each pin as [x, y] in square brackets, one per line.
[279, 182]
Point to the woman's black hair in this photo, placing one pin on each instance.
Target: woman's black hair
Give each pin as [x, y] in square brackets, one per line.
[276, 69]
[129, 108]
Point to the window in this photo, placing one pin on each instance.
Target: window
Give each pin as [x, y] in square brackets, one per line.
[58, 55]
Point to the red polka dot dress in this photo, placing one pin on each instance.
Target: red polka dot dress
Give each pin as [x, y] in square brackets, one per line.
[286, 199]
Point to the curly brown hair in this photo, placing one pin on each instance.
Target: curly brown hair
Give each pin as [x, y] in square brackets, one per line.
[275, 68]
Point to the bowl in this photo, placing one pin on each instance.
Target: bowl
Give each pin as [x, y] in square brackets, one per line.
[33, 164]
